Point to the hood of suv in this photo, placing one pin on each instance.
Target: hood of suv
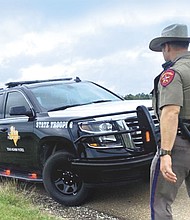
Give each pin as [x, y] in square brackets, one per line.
[100, 108]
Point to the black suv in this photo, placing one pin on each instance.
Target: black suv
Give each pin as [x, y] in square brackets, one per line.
[72, 135]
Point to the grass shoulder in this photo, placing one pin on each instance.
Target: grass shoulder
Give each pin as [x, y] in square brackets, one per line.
[16, 203]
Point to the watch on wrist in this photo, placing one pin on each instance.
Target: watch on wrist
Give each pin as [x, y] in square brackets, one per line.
[164, 152]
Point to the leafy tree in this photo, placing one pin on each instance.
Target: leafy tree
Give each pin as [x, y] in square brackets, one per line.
[139, 96]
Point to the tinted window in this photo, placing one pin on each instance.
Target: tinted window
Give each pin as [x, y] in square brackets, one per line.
[15, 99]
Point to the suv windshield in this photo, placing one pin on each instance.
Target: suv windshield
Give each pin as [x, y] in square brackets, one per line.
[64, 95]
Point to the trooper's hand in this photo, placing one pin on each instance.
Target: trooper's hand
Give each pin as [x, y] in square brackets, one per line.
[166, 168]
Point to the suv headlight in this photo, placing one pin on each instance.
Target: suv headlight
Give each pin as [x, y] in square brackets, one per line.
[96, 127]
[100, 127]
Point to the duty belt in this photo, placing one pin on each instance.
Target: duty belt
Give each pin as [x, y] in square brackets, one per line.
[184, 126]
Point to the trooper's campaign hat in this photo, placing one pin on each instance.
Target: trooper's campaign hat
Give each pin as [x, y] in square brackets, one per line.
[174, 32]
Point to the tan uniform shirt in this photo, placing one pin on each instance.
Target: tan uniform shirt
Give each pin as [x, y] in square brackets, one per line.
[174, 86]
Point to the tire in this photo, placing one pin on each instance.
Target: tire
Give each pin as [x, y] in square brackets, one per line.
[61, 182]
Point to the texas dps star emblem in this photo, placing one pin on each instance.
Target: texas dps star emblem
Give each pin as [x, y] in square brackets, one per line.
[167, 77]
[13, 135]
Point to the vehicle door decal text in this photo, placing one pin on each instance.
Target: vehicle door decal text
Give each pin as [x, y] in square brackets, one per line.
[51, 124]
[14, 149]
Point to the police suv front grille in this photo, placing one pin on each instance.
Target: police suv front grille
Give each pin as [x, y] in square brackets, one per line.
[136, 136]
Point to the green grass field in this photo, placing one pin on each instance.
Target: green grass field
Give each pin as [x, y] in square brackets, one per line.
[17, 204]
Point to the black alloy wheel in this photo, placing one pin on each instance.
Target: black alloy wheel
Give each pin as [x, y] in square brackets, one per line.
[61, 182]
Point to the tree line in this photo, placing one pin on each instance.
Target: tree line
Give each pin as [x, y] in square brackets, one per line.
[139, 96]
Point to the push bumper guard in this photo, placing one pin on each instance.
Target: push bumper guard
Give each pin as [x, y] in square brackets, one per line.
[125, 169]
[144, 124]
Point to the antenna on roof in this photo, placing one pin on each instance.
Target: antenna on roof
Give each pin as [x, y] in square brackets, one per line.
[77, 79]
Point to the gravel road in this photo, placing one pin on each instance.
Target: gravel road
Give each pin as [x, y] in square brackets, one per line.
[84, 212]
[130, 202]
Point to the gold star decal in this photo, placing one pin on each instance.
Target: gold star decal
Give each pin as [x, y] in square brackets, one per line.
[13, 135]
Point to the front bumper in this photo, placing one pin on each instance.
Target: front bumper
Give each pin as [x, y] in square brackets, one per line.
[113, 171]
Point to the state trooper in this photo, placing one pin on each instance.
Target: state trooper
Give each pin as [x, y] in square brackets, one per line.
[171, 101]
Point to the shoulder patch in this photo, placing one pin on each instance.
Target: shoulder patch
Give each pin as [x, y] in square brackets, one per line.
[167, 77]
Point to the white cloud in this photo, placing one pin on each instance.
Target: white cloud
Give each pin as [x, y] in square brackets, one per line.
[35, 42]
[107, 45]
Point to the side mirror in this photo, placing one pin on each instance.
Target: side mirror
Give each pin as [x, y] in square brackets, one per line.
[21, 110]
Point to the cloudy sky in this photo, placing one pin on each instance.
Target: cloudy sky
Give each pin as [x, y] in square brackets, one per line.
[105, 41]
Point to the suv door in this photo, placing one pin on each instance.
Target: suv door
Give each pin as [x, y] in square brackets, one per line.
[16, 136]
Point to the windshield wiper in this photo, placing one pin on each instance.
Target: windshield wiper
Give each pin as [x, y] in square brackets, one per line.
[99, 101]
[64, 107]
[69, 106]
